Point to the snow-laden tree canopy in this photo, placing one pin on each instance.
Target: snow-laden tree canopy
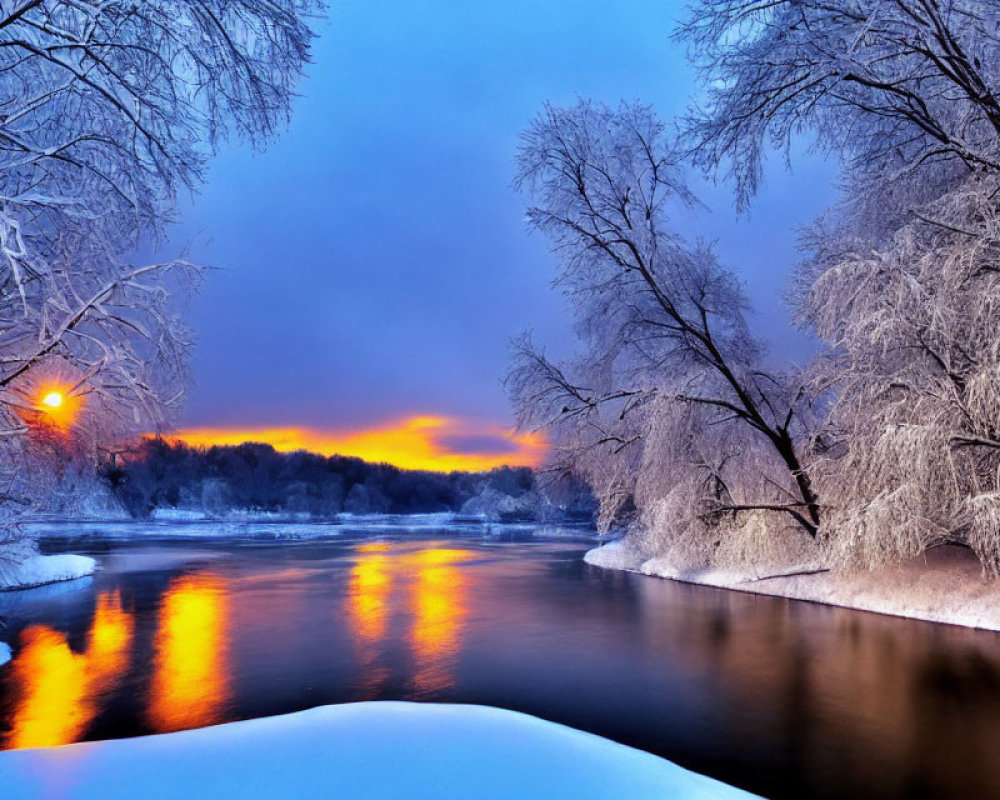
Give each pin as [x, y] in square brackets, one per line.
[108, 108]
[668, 408]
[890, 442]
[890, 86]
[900, 279]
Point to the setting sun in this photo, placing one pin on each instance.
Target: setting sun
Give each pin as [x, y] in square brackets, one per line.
[55, 403]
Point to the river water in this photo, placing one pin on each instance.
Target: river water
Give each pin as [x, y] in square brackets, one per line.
[185, 626]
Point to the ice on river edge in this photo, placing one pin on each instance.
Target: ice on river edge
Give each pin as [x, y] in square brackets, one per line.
[40, 570]
[371, 750]
[277, 527]
[943, 585]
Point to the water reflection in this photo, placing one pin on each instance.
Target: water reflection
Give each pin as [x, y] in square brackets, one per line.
[835, 702]
[371, 582]
[368, 611]
[190, 683]
[439, 607]
[788, 699]
[57, 690]
[434, 593]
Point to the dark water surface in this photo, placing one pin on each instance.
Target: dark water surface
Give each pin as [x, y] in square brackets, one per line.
[785, 699]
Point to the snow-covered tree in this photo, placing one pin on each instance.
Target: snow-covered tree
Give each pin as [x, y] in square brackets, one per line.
[107, 109]
[901, 278]
[890, 86]
[915, 330]
[668, 411]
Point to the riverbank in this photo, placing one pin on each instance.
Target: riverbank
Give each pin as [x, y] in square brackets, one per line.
[371, 750]
[945, 585]
[39, 570]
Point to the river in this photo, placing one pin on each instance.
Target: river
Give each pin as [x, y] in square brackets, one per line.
[192, 625]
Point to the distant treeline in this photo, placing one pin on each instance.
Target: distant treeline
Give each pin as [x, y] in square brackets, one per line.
[255, 477]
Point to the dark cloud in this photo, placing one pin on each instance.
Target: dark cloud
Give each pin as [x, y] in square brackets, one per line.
[477, 443]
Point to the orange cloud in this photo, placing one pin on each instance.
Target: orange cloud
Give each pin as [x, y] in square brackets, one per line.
[435, 443]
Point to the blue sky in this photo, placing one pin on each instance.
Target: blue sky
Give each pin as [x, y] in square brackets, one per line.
[375, 258]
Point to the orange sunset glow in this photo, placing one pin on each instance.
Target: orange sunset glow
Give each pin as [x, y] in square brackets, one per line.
[433, 592]
[51, 398]
[56, 404]
[439, 608]
[55, 688]
[190, 684]
[418, 442]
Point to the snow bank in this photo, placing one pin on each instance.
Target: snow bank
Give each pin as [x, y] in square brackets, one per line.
[364, 750]
[944, 585]
[39, 570]
[4, 653]
[614, 555]
[177, 515]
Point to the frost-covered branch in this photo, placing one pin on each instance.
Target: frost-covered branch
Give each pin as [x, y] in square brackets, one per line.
[107, 110]
[901, 278]
[669, 398]
[889, 85]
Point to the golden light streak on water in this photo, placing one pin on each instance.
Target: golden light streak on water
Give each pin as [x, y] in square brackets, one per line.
[190, 683]
[370, 585]
[439, 604]
[369, 610]
[57, 689]
[110, 639]
[434, 594]
[52, 707]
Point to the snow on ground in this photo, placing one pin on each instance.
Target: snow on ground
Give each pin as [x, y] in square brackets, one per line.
[178, 515]
[39, 570]
[361, 750]
[615, 555]
[944, 585]
[4, 653]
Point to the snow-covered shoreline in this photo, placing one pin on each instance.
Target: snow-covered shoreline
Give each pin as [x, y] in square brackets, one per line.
[37, 570]
[371, 750]
[945, 586]
[41, 570]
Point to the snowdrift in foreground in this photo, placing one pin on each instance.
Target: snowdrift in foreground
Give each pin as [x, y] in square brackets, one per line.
[39, 570]
[362, 750]
[944, 585]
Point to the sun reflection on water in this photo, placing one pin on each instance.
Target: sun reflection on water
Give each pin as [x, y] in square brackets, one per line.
[370, 585]
[435, 593]
[439, 607]
[368, 611]
[190, 683]
[397, 594]
[57, 689]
